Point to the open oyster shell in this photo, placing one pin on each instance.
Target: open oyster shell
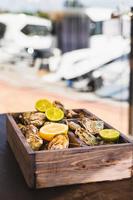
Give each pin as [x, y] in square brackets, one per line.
[73, 126]
[34, 141]
[23, 128]
[35, 118]
[31, 129]
[59, 105]
[74, 141]
[71, 114]
[59, 142]
[86, 137]
[92, 125]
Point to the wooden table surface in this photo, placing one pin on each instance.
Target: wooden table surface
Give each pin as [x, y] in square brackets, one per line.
[13, 186]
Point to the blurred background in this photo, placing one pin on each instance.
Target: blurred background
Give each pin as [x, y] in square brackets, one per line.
[74, 51]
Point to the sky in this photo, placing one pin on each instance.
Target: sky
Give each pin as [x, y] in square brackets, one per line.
[45, 5]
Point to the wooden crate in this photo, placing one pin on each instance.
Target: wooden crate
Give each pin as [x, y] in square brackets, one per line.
[50, 168]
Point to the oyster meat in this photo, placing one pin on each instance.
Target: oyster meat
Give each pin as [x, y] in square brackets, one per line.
[73, 126]
[92, 125]
[23, 128]
[59, 105]
[71, 114]
[37, 119]
[25, 118]
[86, 137]
[59, 142]
[74, 141]
[31, 129]
[34, 141]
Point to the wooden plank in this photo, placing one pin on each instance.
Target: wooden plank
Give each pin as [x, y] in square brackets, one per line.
[49, 168]
[25, 159]
[64, 168]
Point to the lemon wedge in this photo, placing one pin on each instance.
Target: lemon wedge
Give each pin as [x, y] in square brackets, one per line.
[52, 129]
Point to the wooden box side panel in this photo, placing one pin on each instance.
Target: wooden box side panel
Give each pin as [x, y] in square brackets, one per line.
[24, 159]
[74, 167]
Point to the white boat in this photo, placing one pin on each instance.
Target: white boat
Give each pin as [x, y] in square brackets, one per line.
[77, 63]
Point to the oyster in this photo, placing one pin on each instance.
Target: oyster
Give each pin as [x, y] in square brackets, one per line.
[59, 105]
[73, 126]
[25, 118]
[71, 114]
[34, 141]
[92, 125]
[37, 119]
[86, 137]
[59, 142]
[30, 129]
[23, 128]
[74, 141]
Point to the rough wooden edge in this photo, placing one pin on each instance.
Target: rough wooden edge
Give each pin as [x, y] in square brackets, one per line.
[82, 149]
[19, 134]
[28, 152]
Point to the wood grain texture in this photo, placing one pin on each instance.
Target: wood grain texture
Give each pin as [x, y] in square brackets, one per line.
[89, 165]
[19, 147]
[50, 168]
[13, 187]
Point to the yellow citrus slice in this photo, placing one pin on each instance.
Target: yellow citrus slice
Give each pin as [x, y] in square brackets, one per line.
[48, 131]
[109, 134]
[42, 105]
[54, 114]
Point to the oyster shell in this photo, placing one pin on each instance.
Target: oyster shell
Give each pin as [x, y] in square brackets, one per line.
[59, 142]
[59, 105]
[73, 126]
[71, 114]
[23, 128]
[37, 119]
[25, 118]
[31, 129]
[34, 141]
[74, 141]
[86, 137]
[92, 125]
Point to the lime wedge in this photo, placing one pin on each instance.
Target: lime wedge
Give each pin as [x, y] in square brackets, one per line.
[54, 114]
[111, 135]
[42, 105]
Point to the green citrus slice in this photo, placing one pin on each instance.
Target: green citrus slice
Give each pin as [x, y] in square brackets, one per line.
[42, 105]
[109, 134]
[54, 114]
